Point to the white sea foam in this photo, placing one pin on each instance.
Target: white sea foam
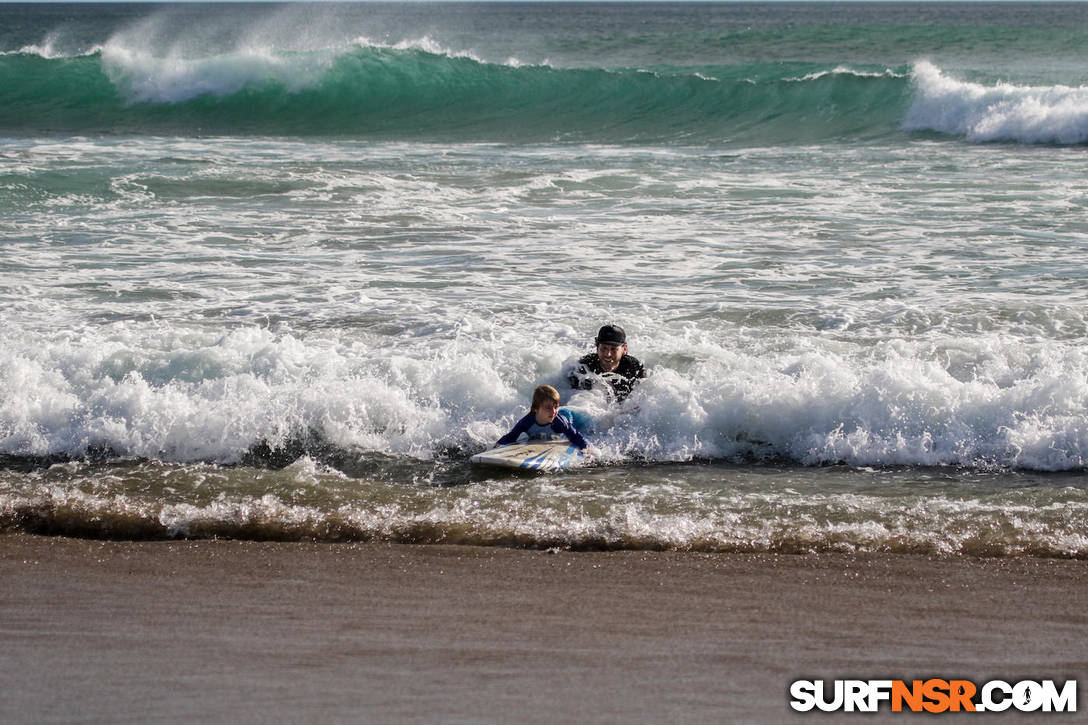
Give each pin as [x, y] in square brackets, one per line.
[176, 395]
[687, 508]
[429, 45]
[847, 71]
[52, 47]
[998, 112]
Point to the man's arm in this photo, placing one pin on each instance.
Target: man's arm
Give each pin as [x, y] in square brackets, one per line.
[580, 377]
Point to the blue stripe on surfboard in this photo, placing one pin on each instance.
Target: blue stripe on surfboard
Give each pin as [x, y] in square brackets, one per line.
[536, 461]
[558, 459]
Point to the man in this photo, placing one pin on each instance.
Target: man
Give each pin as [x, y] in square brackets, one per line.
[611, 362]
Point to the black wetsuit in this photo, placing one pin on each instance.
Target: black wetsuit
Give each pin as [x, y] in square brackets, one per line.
[622, 379]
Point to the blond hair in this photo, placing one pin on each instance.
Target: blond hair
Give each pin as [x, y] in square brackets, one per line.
[542, 393]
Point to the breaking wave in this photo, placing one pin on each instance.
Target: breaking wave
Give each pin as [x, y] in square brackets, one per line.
[418, 90]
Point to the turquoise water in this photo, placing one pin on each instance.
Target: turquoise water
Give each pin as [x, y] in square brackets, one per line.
[279, 273]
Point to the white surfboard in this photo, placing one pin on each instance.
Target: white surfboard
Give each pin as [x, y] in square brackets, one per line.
[535, 455]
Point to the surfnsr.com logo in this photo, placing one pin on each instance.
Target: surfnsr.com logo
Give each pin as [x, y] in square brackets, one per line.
[933, 696]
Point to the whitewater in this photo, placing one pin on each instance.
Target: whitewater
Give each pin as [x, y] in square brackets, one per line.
[280, 273]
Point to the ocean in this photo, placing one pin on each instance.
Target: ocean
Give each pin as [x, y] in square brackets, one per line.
[276, 271]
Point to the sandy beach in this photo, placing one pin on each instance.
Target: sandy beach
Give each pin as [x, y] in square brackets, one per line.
[236, 631]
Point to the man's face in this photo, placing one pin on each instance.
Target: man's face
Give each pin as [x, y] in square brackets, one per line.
[610, 355]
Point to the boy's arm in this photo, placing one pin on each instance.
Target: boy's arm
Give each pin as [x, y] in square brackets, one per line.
[560, 425]
[520, 427]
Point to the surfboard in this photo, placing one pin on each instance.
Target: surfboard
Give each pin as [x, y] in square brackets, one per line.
[535, 455]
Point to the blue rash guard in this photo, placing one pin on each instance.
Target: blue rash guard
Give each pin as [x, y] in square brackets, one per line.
[530, 427]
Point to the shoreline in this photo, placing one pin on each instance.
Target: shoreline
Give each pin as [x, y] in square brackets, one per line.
[244, 631]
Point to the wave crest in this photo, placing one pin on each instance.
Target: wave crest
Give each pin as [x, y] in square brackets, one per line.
[419, 89]
[1001, 112]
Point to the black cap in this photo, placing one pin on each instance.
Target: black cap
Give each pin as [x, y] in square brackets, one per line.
[611, 335]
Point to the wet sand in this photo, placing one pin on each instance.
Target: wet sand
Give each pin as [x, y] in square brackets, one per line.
[229, 631]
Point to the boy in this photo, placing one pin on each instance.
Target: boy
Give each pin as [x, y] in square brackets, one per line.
[544, 420]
